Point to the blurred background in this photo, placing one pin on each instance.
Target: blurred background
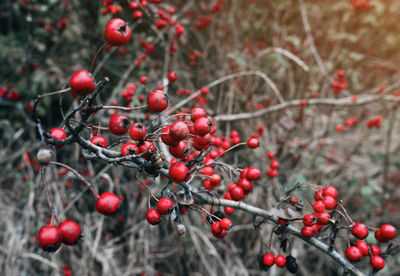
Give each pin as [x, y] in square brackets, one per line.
[296, 53]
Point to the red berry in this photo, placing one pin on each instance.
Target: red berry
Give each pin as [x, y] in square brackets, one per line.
[215, 179]
[318, 195]
[274, 164]
[252, 143]
[166, 137]
[99, 141]
[117, 32]
[309, 220]
[172, 76]
[133, 5]
[329, 191]
[237, 193]
[388, 232]
[49, 238]
[280, 260]
[252, 173]
[379, 237]
[179, 150]
[319, 206]
[137, 14]
[225, 223]
[153, 216]
[204, 91]
[164, 205]
[377, 262]
[272, 173]
[71, 232]
[219, 235]
[271, 155]
[157, 101]
[323, 218]
[58, 133]
[268, 259]
[146, 146]
[119, 124]
[82, 83]
[197, 112]
[245, 184]
[329, 202]
[360, 231]
[108, 204]
[129, 148]
[363, 246]
[375, 250]
[137, 132]
[178, 172]
[202, 140]
[353, 254]
[229, 210]
[144, 80]
[307, 232]
[179, 130]
[216, 227]
[202, 126]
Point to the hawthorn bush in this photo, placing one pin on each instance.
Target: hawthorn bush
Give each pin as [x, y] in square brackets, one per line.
[199, 137]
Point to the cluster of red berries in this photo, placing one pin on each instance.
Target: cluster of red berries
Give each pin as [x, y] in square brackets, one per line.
[11, 95]
[325, 199]
[340, 85]
[50, 237]
[374, 122]
[360, 249]
[268, 260]
[219, 228]
[67, 271]
[273, 166]
[164, 207]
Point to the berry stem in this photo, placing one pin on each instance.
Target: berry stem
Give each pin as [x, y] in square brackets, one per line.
[96, 56]
[81, 178]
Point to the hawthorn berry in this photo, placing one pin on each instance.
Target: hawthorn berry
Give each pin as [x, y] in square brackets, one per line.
[268, 259]
[179, 130]
[229, 210]
[178, 172]
[146, 146]
[164, 205]
[329, 191]
[166, 137]
[202, 126]
[280, 260]
[143, 79]
[274, 164]
[197, 112]
[375, 250]
[153, 216]
[215, 179]
[129, 148]
[71, 232]
[377, 262]
[329, 202]
[245, 184]
[225, 223]
[252, 143]
[359, 230]
[272, 173]
[137, 132]
[82, 83]
[58, 133]
[323, 218]
[309, 220]
[172, 76]
[271, 155]
[379, 237]
[117, 32]
[353, 254]
[388, 231]
[363, 246]
[319, 206]
[119, 124]
[237, 193]
[252, 173]
[307, 231]
[108, 204]
[157, 101]
[50, 238]
[99, 141]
